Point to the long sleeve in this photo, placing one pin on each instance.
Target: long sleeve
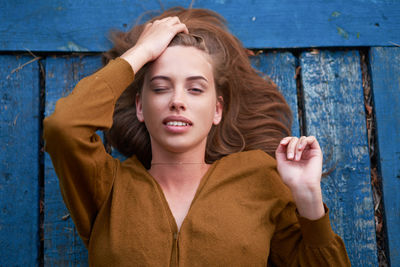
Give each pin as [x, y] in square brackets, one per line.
[85, 171]
[301, 242]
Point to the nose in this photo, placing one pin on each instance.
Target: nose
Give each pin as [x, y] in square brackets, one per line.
[177, 102]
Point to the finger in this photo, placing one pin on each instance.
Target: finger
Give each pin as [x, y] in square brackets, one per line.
[311, 142]
[147, 25]
[281, 147]
[165, 19]
[285, 140]
[181, 28]
[173, 20]
[290, 151]
[299, 148]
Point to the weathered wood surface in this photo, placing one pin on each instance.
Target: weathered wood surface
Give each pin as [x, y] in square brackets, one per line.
[281, 69]
[71, 25]
[62, 245]
[334, 113]
[385, 74]
[19, 161]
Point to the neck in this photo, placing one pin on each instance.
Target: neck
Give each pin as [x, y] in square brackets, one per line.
[178, 171]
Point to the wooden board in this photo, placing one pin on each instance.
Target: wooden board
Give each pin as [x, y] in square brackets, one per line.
[281, 68]
[19, 161]
[71, 25]
[334, 113]
[385, 74]
[62, 245]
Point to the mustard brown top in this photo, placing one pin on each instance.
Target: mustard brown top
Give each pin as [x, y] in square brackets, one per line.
[242, 213]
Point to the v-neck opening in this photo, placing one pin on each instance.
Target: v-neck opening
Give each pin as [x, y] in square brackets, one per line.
[167, 208]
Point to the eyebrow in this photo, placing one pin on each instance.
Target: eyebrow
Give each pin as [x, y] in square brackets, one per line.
[191, 78]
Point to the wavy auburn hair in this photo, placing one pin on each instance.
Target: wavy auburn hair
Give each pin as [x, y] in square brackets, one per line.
[255, 114]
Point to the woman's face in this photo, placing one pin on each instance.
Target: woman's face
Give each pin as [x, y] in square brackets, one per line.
[178, 103]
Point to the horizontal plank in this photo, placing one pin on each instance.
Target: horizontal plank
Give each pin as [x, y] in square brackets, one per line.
[62, 244]
[19, 161]
[71, 25]
[385, 74]
[334, 112]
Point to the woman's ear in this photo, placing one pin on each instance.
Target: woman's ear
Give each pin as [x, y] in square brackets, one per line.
[139, 108]
[218, 110]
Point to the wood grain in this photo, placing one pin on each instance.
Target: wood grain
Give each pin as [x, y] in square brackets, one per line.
[70, 25]
[385, 74]
[334, 112]
[62, 244]
[281, 69]
[19, 161]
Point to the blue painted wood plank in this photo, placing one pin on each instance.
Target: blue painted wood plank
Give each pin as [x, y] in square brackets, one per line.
[62, 245]
[281, 68]
[385, 73]
[334, 112]
[19, 161]
[68, 25]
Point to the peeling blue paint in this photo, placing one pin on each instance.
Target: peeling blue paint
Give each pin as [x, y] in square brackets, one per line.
[342, 32]
[71, 46]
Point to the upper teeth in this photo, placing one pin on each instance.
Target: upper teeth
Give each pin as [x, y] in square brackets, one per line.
[177, 123]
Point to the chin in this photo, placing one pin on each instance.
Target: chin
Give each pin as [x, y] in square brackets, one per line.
[179, 144]
[178, 148]
[183, 147]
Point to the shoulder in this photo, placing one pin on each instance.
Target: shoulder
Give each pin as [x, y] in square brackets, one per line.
[254, 164]
[254, 167]
[250, 159]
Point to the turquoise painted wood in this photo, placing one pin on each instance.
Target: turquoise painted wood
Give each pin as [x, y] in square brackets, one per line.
[334, 113]
[19, 161]
[281, 69]
[62, 245]
[69, 25]
[385, 74]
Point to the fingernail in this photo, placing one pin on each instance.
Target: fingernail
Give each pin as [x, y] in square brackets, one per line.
[290, 155]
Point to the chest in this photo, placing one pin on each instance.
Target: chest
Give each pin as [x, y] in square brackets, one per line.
[139, 229]
[179, 204]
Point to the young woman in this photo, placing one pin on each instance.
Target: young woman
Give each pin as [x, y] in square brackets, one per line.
[200, 128]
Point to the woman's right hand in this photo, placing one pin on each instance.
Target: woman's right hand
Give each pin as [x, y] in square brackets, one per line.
[154, 39]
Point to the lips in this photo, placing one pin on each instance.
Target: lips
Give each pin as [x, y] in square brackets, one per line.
[177, 124]
[177, 121]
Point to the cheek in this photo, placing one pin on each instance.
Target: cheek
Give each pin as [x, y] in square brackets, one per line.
[151, 107]
[207, 111]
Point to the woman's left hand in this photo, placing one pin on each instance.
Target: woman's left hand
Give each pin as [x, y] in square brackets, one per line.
[299, 162]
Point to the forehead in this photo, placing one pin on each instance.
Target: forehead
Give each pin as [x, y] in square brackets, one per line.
[181, 62]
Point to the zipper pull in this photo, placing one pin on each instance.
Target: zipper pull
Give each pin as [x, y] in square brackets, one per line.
[175, 236]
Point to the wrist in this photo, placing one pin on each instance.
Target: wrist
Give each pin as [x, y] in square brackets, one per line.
[309, 203]
[136, 57]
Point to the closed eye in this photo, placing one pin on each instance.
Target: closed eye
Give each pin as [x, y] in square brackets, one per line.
[159, 90]
[196, 90]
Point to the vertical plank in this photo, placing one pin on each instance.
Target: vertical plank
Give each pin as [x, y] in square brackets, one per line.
[334, 110]
[19, 161]
[281, 68]
[385, 74]
[62, 245]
